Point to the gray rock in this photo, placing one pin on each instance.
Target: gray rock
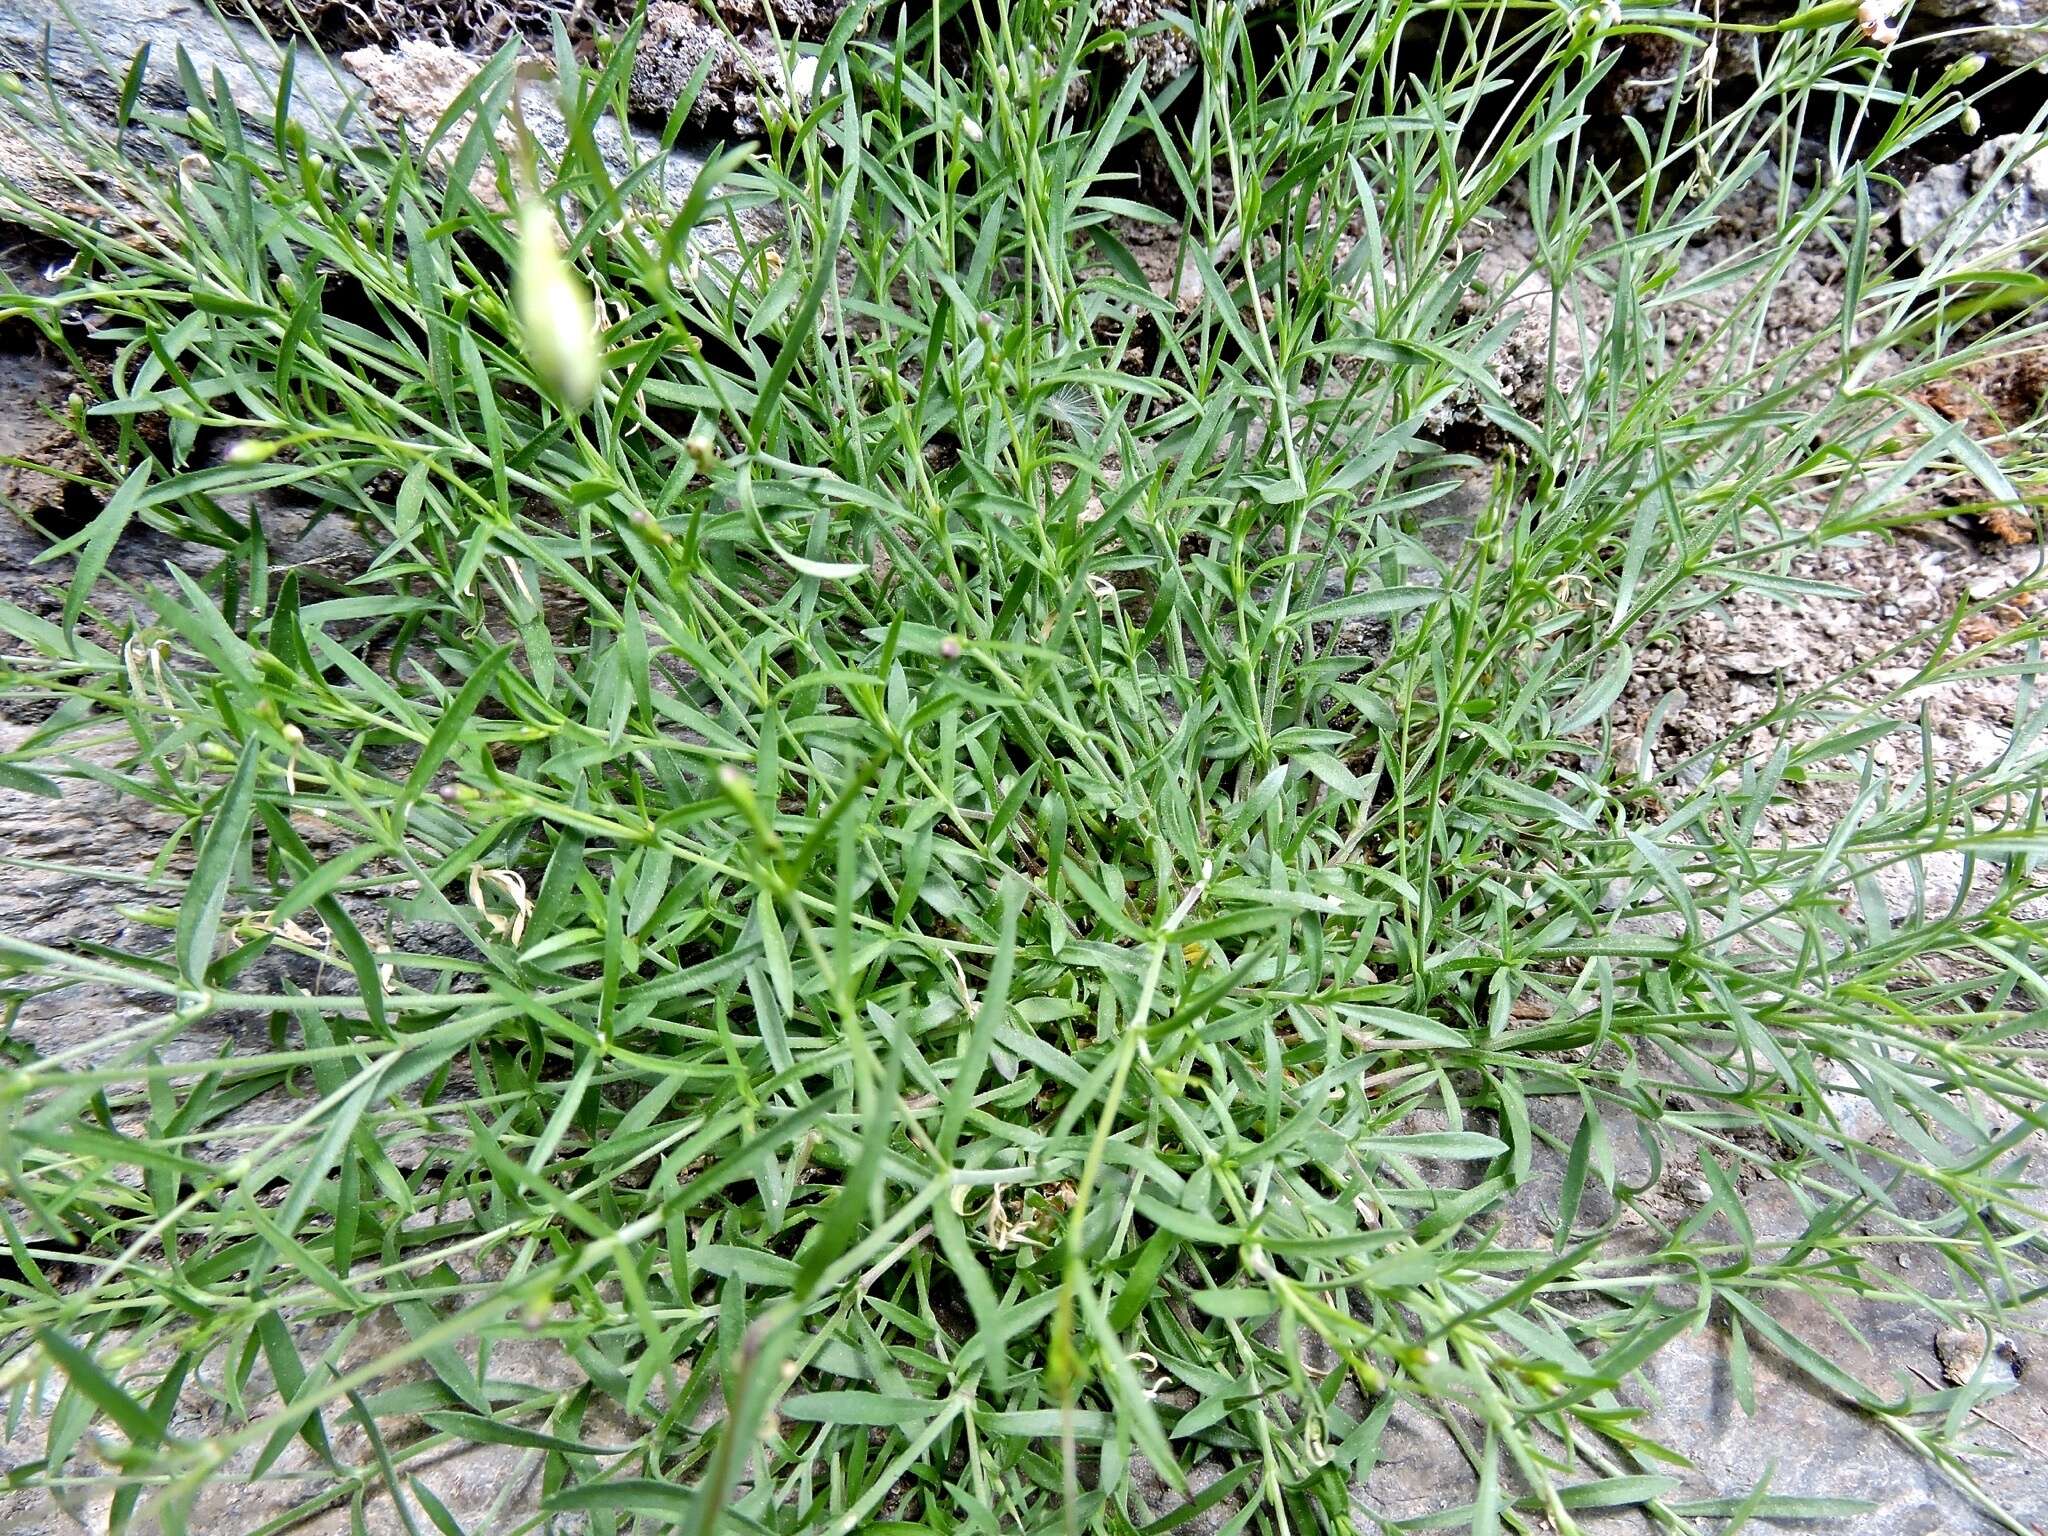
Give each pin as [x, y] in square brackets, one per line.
[1780, 1424]
[481, 26]
[1156, 40]
[2010, 32]
[1650, 66]
[83, 53]
[742, 71]
[1990, 209]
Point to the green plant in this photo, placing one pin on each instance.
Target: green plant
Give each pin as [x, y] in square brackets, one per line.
[973, 843]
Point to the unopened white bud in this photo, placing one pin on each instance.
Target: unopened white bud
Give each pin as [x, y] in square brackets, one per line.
[556, 318]
[250, 450]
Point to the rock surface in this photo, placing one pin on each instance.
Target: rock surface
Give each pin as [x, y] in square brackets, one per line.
[1806, 1441]
[742, 71]
[1653, 65]
[1737, 1425]
[1988, 210]
[85, 57]
[480, 26]
[2011, 32]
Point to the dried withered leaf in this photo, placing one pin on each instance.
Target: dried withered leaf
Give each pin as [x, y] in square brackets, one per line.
[2009, 525]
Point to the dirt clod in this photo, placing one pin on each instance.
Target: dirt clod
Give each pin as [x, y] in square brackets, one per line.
[48, 454]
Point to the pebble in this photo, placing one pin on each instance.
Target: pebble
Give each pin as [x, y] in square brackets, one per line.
[1961, 1352]
[1976, 744]
[1755, 663]
[1983, 587]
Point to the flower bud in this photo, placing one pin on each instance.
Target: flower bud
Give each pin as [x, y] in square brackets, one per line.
[700, 447]
[250, 450]
[1971, 122]
[556, 319]
[293, 736]
[644, 524]
[970, 130]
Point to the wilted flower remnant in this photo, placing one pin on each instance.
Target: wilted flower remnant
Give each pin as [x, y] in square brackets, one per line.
[1879, 21]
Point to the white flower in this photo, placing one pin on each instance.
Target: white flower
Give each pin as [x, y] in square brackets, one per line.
[556, 317]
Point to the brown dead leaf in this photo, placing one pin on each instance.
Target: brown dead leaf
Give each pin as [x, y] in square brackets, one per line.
[2009, 525]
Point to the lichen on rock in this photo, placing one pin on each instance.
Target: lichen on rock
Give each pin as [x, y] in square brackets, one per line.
[738, 68]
